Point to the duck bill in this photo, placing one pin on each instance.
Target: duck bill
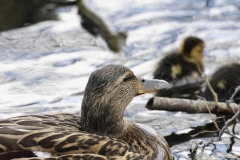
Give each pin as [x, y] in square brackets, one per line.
[150, 86]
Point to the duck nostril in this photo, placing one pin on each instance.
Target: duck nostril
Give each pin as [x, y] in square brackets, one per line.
[143, 81]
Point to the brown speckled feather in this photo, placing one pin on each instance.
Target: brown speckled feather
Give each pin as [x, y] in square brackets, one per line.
[46, 136]
[100, 132]
[75, 157]
[16, 128]
[148, 141]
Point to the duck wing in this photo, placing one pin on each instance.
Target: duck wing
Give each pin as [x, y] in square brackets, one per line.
[75, 144]
[62, 142]
[174, 67]
[59, 135]
[72, 157]
[65, 122]
[14, 129]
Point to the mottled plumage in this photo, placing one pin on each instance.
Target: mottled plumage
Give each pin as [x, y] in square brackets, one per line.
[182, 69]
[100, 133]
[224, 81]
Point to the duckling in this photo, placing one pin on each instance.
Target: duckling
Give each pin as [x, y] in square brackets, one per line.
[99, 133]
[181, 68]
[224, 81]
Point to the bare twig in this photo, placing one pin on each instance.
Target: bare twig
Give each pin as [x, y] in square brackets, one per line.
[204, 131]
[209, 112]
[228, 123]
[232, 97]
[196, 146]
[233, 118]
[212, 140]
[229, 133]
[201, 145]
[215, 96]
[213, 120]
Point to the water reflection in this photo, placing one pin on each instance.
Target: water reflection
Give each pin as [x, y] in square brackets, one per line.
[43, 65]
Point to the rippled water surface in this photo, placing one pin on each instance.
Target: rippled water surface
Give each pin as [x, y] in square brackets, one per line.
[44, 67]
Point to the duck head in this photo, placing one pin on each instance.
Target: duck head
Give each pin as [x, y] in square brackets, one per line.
[108, 92]
[192, 49]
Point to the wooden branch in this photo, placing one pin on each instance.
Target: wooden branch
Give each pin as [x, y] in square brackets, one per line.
[195, 146]
[204, 131]
[233, 95]
[234, 117]
[215, 96]
[191, 106]
[213, 120]
[95, 24]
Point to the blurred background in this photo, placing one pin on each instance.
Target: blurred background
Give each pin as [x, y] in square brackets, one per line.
[46, 57]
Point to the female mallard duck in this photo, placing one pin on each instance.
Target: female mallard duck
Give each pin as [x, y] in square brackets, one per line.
[224, 81]
[100, 133]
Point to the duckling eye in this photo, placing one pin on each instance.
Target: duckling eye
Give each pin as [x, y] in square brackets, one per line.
[143, 81]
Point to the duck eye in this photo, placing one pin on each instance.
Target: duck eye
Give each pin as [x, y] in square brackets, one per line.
[143, 81]
[125, 79]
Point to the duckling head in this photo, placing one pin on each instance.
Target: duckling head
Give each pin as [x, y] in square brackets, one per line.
[192, 48]
[108, 92]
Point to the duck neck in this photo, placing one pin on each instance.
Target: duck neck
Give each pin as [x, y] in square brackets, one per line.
[199, 64]
[104, 117]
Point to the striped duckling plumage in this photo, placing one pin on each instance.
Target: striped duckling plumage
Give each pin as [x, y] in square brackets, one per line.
[100, 133]
[182, 69]
[186, 62]
[224, 81]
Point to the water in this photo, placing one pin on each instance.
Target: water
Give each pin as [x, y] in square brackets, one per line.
[44, 67]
